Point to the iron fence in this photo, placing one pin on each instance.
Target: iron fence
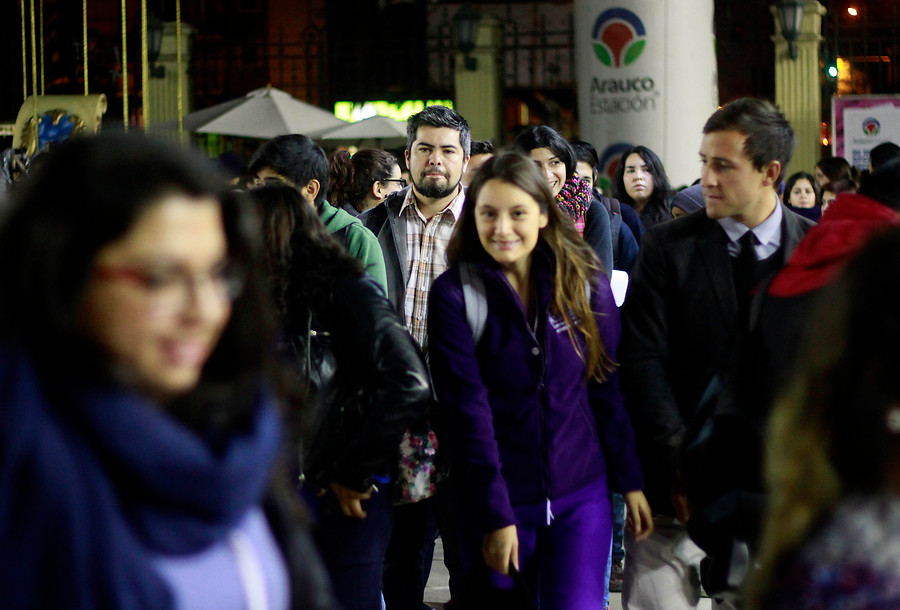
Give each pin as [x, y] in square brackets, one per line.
[537, 51]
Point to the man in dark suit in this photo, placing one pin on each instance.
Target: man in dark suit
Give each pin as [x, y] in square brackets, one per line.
[687, 309]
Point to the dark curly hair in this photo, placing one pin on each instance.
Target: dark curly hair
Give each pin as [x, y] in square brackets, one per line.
[301, 257]
[351, 177]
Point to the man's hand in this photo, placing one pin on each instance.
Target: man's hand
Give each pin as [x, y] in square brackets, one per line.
[500, 548]
[350, 500]
[640, 517]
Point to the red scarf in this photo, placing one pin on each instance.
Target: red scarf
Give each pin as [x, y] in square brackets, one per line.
[844, 229]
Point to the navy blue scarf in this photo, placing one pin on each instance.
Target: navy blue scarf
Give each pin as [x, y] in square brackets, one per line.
[96, 483]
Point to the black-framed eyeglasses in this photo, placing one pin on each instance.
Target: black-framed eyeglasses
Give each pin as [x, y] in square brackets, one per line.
[402, 181]
[270, 181]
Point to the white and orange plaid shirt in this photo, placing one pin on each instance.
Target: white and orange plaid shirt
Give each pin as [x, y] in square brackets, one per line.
[426, 251]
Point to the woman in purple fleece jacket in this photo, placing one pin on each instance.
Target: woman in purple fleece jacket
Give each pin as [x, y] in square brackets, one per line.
[536, 419]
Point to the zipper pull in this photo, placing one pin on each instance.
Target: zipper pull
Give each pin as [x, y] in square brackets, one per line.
[550, 516]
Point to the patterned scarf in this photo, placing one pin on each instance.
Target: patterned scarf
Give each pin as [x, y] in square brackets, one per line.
[574, 199]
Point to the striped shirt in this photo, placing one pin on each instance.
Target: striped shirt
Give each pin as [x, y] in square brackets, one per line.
[426, 251]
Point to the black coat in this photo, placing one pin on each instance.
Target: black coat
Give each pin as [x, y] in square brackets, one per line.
[678, 323]
[368, 383]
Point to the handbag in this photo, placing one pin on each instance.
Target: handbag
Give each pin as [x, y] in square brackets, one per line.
[331, 412]
[417, 468]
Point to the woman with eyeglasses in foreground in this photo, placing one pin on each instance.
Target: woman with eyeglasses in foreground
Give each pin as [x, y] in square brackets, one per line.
[537, 423]
[363, 180]
[138, 432]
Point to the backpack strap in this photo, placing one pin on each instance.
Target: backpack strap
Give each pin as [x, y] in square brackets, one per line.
[474, 298]
[612, 204]
[614, 208]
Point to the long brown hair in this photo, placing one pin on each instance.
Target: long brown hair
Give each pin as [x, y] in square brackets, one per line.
[301, 257]
[576, 264]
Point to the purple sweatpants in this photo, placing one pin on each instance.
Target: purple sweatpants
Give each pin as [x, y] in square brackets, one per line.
[562, 563]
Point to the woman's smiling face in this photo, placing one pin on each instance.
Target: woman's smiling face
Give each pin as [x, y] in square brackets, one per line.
[158, 299]
[509, 222]
[551, 166]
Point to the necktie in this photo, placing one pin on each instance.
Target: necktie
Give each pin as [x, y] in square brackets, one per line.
[745, 265]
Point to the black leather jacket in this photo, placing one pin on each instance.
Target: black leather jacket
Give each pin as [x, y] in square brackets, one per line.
[368, 384]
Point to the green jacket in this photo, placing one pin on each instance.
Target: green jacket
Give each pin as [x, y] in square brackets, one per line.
[359, 241]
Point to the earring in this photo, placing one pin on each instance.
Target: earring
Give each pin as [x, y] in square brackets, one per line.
[892, 420]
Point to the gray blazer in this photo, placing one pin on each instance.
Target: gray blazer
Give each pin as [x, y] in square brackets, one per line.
[385, 222]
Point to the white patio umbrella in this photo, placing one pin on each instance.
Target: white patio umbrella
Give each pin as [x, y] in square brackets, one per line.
[262, 113]
[375, 130]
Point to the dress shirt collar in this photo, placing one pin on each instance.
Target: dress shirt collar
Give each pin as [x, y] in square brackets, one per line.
[768, 232]
[455, 206]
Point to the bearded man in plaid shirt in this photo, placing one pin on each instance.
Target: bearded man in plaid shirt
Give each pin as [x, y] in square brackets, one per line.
[413, 227]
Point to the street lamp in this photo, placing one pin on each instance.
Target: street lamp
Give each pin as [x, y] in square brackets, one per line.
[466, 21]
[155, 29]
[790, 14]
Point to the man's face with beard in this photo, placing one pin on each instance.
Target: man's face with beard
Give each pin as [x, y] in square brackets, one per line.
[436, 162]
